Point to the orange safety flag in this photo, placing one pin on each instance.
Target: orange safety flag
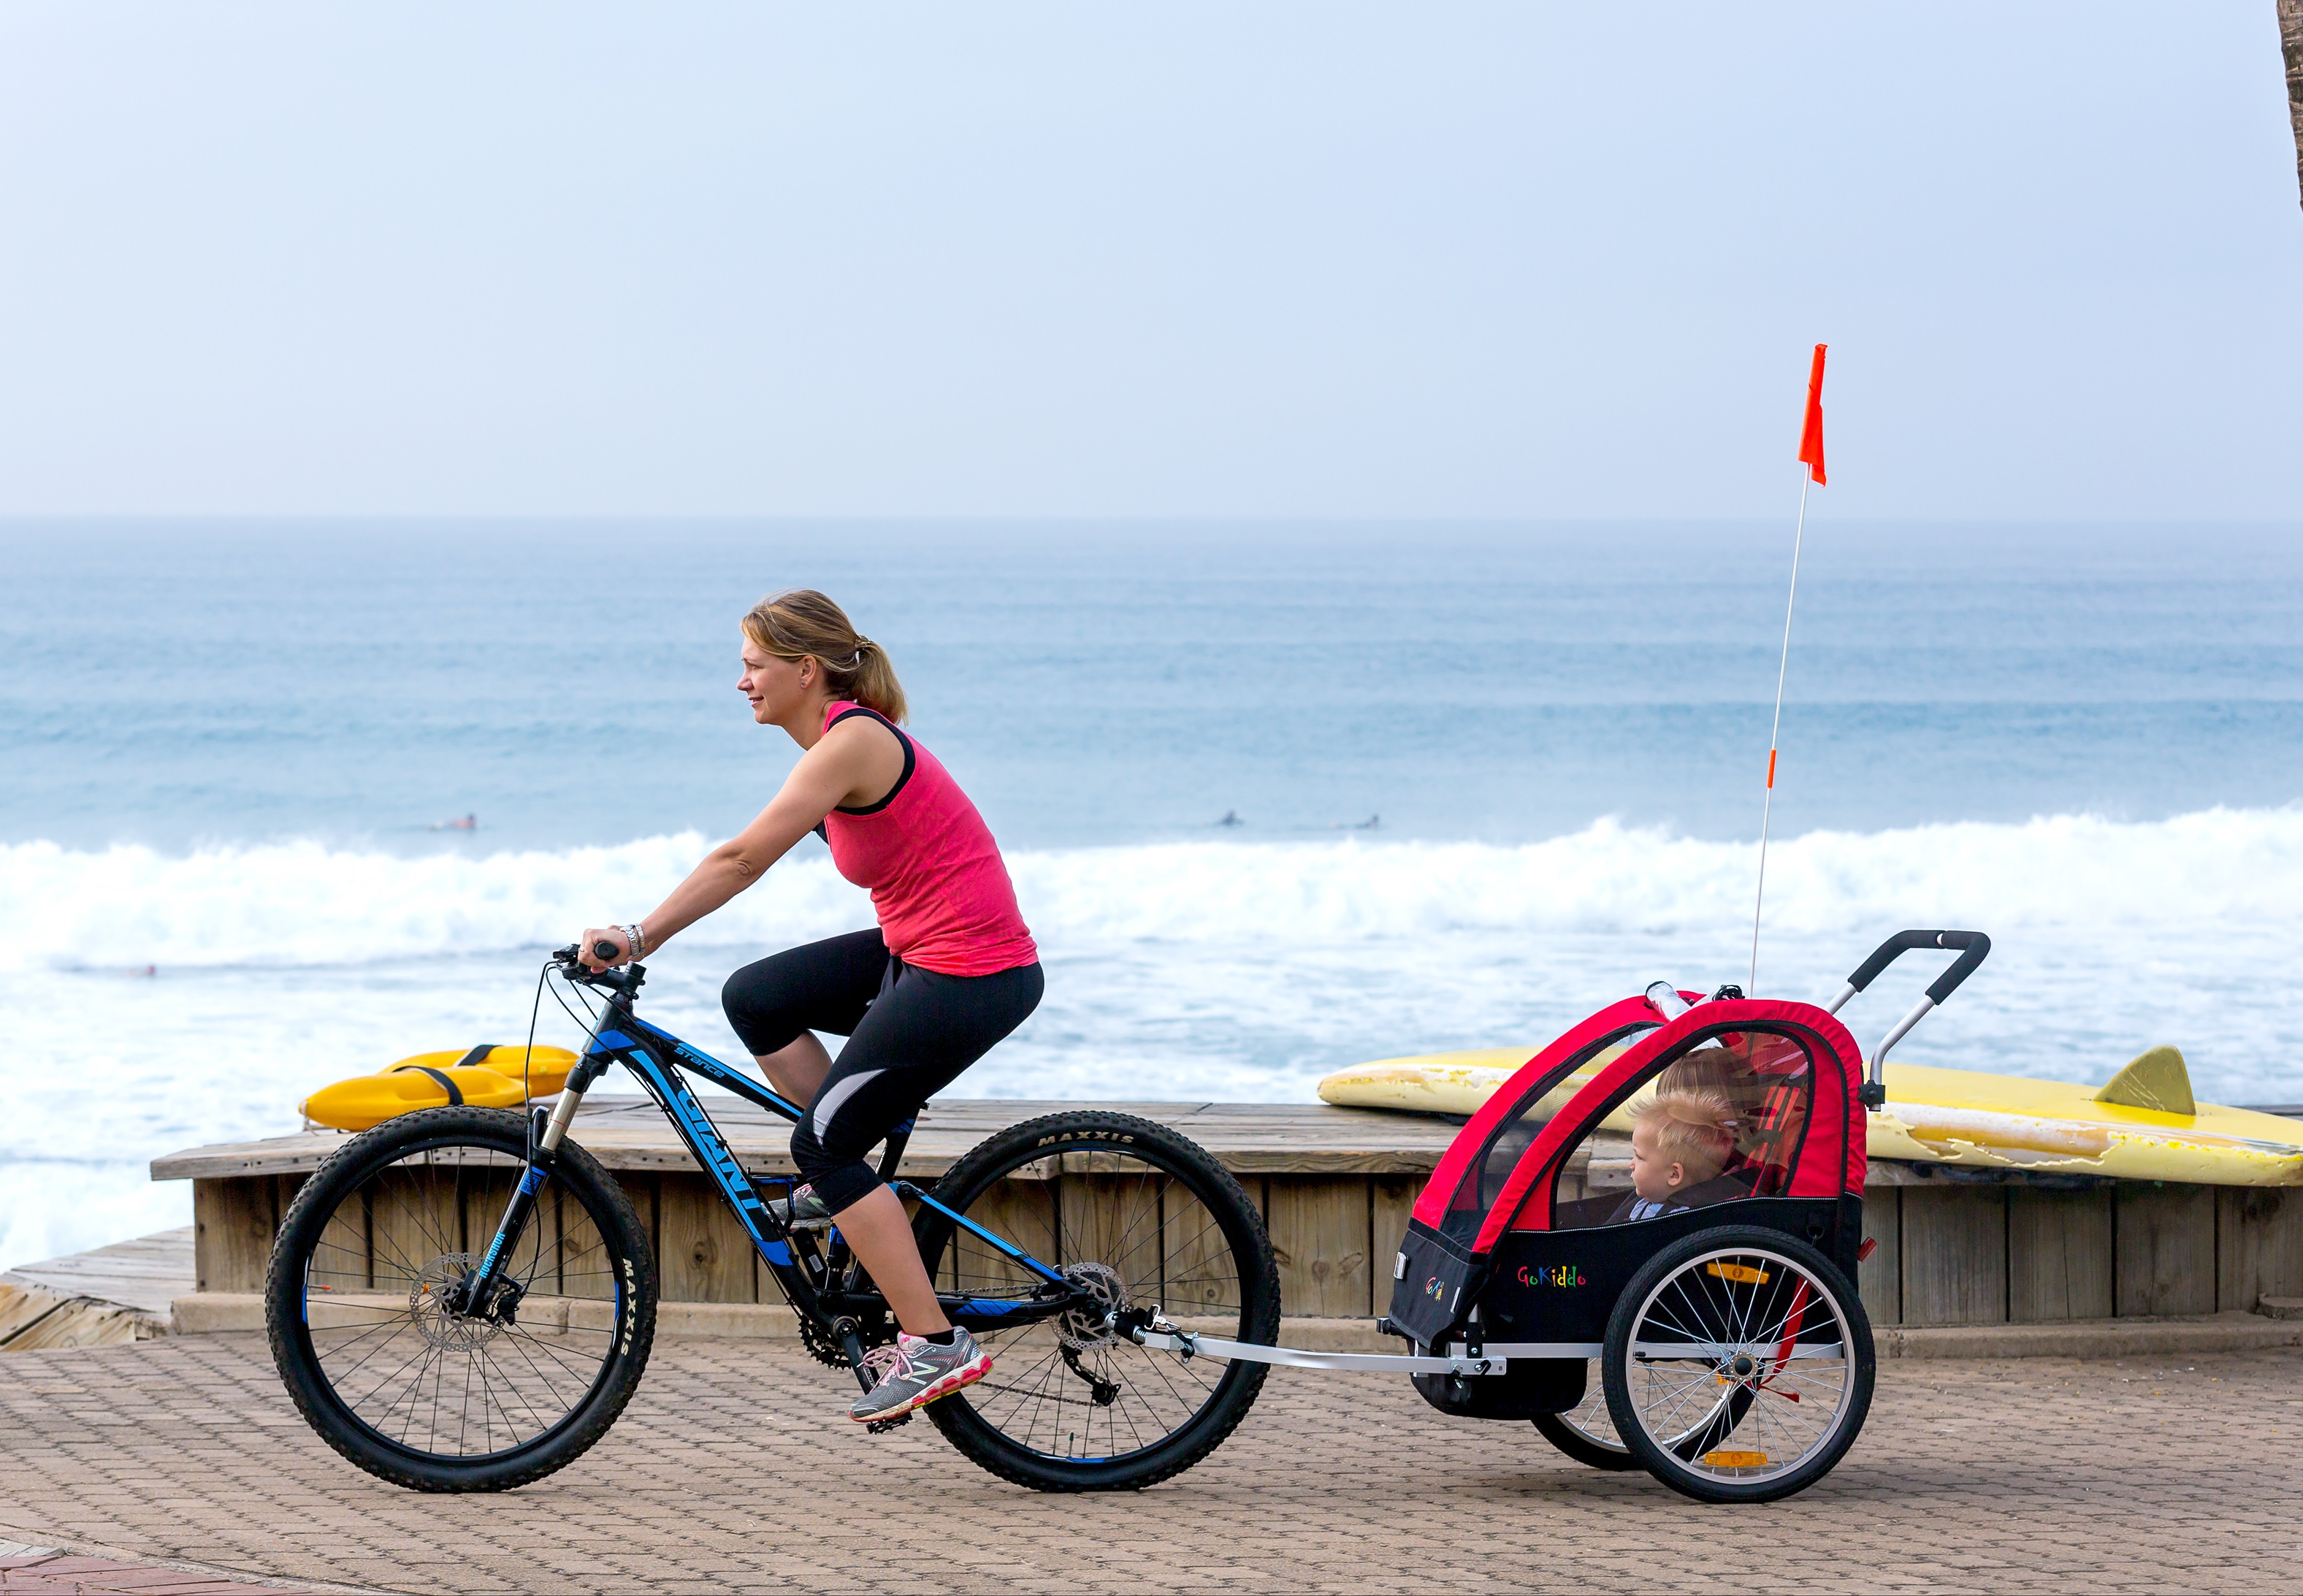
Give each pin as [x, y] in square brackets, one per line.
[1811, 434]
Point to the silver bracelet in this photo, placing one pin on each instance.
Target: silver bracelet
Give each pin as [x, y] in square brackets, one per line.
[635, 940]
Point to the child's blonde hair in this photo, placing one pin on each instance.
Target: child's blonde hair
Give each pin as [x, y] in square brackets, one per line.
[1692, 1128]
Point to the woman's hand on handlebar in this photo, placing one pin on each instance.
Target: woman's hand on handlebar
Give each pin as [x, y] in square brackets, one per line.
[614, 938]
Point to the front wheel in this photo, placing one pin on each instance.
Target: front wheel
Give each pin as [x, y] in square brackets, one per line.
[1133, 1216]
[1739, 1365]
[386, 1363]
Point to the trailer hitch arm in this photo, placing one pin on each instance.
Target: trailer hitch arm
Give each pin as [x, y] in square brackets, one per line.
[1161, 1335]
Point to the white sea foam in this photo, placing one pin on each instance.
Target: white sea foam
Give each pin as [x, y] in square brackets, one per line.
[300, 903]
[1212, 969]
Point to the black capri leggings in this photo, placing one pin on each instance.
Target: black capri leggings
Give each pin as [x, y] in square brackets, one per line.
[910, 1031]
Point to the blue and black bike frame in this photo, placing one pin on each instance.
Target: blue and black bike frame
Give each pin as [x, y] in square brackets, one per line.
[824, 1285]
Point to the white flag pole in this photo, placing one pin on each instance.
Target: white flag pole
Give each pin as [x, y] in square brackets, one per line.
[1767, 808]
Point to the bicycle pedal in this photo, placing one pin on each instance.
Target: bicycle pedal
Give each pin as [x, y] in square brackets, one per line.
[882, 1426]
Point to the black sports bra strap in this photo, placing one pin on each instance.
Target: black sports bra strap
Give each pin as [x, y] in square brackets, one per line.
[911, 759]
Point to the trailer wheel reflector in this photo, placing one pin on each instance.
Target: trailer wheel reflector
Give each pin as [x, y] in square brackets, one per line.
[1736, 1459]
[1743, 1273]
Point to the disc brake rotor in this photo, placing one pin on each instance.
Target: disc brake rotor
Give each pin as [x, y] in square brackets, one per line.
[1083, 1327]
[427, 1302]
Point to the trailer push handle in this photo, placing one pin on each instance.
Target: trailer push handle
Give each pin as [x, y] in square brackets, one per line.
[1972, 947]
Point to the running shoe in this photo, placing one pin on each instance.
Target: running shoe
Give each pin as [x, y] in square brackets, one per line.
[915, 1371]
[802, 1211]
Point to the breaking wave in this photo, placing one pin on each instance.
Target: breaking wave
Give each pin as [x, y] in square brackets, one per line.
[301, 903]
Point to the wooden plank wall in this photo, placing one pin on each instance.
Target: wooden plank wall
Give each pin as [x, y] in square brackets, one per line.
[1879, 1278]
[1322, 1235]
[1954, 1253]
[703, 1254]
[2059, 1255]
[2163, 1249]
[2258, 1244]
[1947, 1253]
[233, 1222]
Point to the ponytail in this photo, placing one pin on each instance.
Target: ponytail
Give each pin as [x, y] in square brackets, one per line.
[804, 624]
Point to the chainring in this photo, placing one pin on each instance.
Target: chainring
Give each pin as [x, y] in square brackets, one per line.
[820, 1344]
[823, 1346]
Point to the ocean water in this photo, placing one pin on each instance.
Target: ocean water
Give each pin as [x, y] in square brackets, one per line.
[1486, 779]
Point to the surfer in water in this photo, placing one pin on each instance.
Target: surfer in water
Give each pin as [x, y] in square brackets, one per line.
[948, 972]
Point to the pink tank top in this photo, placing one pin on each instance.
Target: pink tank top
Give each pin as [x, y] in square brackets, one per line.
[937, 881]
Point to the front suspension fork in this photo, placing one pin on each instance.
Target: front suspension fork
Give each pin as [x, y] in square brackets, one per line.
[544, 1133]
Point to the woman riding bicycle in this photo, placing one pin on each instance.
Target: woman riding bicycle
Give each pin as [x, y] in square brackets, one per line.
[950, 970]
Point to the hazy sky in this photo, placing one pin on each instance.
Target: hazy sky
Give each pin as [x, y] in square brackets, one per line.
[1517, 260]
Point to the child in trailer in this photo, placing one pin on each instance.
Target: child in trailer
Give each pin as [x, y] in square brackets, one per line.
[1681, 1141]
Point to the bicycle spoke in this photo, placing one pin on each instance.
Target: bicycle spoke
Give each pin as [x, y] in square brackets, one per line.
[1739, 1310]
[383, 1269]
[1127, 1227]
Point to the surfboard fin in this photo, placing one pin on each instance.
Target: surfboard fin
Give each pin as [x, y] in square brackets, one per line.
[2154, 1079]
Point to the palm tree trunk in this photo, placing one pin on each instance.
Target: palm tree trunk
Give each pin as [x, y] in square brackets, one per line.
[2290, 41]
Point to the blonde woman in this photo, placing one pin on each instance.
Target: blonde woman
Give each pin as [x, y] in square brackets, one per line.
[948, 971]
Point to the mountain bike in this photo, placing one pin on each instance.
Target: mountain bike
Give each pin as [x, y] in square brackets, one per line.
[464, 1299]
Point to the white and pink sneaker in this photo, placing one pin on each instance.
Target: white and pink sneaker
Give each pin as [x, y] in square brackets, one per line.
[915, 1371]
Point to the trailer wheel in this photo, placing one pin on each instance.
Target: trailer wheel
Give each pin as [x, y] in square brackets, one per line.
[1739, 1365]
[1586, 1431]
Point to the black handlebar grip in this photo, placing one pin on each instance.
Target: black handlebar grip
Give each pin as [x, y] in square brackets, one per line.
[1972, 946]
[603, 949]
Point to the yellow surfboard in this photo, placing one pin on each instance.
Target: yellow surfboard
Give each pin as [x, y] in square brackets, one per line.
[425, 1081]
[2143, 1126]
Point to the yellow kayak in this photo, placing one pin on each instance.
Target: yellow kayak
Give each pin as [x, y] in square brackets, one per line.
[486, 1077]
[2145, 1124]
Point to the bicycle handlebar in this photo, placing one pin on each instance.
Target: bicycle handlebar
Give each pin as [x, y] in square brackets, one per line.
[572, 966]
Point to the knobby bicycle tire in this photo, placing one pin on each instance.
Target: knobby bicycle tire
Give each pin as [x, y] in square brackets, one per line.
[352, 1305]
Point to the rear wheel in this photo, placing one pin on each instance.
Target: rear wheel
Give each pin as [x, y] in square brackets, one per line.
[1585, 1431]
[1139, 1217]
[1739, 1365]
[359, 1302]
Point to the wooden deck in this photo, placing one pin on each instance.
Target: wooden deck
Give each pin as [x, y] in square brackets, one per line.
[100, 1298]
[630, 1133]
[1335, 1187]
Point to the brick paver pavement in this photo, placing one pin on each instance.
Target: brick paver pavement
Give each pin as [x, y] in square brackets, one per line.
[62, 1574]
[733, 1469]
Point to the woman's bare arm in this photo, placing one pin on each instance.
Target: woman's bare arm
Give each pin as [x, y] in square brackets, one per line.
[849, 762]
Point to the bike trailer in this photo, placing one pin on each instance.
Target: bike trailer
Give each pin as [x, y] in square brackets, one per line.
[1512, 1230]
[1733, 1359]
